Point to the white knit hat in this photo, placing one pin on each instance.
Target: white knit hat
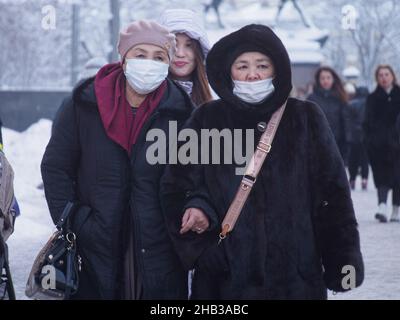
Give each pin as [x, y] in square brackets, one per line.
[188, 22]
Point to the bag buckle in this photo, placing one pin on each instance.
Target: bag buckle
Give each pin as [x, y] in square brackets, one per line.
[223, 233]
[71, 239]
[247, 182]
[264, 147]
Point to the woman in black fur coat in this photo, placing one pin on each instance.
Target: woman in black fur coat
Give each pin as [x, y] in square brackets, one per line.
[382, 140]
[297, 232]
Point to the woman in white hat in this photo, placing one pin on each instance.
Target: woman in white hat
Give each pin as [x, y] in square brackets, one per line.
[188, 64]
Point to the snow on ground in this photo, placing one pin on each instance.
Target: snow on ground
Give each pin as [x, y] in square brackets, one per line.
[380, 242]
[34, 226]
[380, 248]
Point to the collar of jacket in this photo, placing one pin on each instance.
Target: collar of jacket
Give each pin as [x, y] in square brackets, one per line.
[381, 93]
[175, 99]
[319, 91]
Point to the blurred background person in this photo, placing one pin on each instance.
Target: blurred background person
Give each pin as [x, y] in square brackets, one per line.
[330, 95]
[382, 140]
[214, 4]
[358, 159]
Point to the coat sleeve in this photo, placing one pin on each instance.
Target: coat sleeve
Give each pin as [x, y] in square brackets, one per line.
[367, 123]
[182, 187]
[375, 137]
[335, 224]
[398, 127]
[346, 118]
[60, 161]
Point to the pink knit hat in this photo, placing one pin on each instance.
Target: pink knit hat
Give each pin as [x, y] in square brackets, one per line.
[148, 32]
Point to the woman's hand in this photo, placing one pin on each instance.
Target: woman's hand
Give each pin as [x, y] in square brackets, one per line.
[194, 219]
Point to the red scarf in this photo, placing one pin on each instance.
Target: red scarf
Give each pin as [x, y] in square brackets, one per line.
[119, 121]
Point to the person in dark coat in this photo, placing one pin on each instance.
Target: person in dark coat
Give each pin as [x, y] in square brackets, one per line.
[330, 95]
[298, 229]
[398, 126]
[382, 140]
[358, 158]
[97, 157]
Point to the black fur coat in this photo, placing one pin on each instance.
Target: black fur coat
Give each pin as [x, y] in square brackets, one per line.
[298, 229]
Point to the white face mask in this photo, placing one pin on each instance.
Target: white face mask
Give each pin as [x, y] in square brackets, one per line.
[145, 75]
[253, 92]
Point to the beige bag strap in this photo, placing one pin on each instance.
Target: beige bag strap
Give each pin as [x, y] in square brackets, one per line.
[252, 170]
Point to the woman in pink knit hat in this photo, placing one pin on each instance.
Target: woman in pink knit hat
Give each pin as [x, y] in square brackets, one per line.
[97, 158]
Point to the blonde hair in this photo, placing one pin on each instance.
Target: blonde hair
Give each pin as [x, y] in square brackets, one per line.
[385, 66]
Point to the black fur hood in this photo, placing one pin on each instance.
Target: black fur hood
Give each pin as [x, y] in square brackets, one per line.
[253, 37]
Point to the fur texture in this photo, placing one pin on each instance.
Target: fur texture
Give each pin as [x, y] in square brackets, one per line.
[298, 228]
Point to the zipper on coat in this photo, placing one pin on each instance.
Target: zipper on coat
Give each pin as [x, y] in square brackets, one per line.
[136, 223]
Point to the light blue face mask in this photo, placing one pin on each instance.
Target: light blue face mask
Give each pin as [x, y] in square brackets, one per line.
[145, 75]
[253, 91]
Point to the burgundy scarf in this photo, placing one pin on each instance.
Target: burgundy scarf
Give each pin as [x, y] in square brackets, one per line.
[119, 121]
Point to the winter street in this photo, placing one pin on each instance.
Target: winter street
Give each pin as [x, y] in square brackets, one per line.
[378, 241]
[151, 129]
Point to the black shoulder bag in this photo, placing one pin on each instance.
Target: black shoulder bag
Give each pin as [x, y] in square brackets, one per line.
[55, 271]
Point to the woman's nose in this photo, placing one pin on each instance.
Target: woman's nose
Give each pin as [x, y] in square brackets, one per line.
[180, 52]
[253, 75]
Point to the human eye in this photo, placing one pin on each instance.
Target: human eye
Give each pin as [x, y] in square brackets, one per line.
[242, 67]
[140, 56]
[263, 66]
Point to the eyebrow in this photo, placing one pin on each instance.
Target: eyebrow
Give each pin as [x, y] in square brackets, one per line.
[263, 60]
[141, 50]
[145, 51]
[160, 52]
[258, 60]
[241, 61]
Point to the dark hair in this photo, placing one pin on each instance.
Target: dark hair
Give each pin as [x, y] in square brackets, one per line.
[337, 87]
[385, 66]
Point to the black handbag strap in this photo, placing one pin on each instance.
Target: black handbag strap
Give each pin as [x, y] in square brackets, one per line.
[69, 281]
[65, 214]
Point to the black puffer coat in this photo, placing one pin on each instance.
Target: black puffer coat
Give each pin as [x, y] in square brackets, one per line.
[298, 228]
[83, 164]
[382, 137]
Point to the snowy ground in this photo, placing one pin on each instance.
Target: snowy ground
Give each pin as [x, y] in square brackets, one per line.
[380, 243]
